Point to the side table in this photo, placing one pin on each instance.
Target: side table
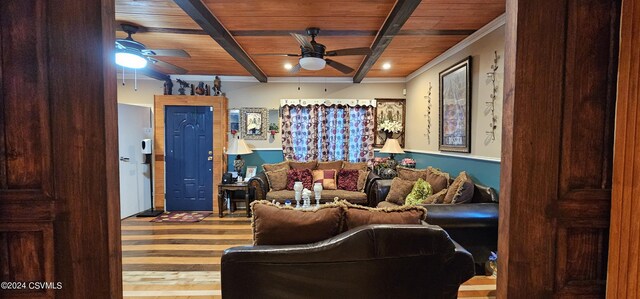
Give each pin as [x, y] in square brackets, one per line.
[224, 188]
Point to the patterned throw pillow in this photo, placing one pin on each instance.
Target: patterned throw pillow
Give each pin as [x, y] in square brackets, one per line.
[419, 194]
[299, 175]
[461, 190]
[348, 179]
[399, 190]
[277, 179]
[437, 179]
[327, 177]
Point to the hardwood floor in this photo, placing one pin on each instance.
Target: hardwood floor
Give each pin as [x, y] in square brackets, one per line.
[182, 260]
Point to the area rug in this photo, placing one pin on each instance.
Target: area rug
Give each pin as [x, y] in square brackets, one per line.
[181, 217]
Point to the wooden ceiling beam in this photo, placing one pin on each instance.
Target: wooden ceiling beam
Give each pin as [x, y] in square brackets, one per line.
[396, 19]
[322, 32]
[199, 12]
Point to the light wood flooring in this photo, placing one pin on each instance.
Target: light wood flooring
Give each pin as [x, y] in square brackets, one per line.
[182, 260]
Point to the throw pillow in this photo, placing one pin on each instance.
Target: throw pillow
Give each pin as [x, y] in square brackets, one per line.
[303, 165]
[299, 175]
[359, 215]
[362, 179]
[336, 165]
[281, 225]
[461, 190]
[437, 198]
[348, 179]
[411, 174]
[437, 179]
[276, 166]
[355, 165]
[399, 190]
[277, 179]
[326, 177]
[419, 194]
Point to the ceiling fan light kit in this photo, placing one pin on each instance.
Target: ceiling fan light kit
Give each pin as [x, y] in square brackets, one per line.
[130, 60]
[312, 63]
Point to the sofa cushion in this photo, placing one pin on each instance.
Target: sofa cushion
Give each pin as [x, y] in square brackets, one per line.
[279, 225]
[399, 190]
[461, 190]
[326, 177]
[276, 166]
[303, 165]
[355, 165]
[411, 174]
[277, 179]
[359, 215]
[299, 175]
[348, 179]
[419, 193]
[362, 179]
[326, 196]
[437, 179]
[335, 165]
[436, 198]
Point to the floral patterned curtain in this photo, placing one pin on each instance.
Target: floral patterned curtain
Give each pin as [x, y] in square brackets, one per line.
[327, 133]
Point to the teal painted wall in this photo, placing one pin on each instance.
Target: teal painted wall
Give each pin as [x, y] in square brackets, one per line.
[482, 171]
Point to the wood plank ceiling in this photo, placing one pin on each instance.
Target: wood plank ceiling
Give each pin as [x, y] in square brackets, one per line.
[262, 26]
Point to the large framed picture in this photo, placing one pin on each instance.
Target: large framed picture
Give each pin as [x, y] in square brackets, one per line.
[390, 121]
[253, 123]
[455, 108]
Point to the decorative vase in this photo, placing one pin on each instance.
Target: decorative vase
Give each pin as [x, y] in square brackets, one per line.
[297, 187]
[317, 188]
[387, 173]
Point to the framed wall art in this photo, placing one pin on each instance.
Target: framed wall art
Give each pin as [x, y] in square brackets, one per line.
[390, 121]
[253, 123]
[455, 107]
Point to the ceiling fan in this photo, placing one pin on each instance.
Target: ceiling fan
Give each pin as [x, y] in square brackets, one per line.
[133, 54]
[312, 54]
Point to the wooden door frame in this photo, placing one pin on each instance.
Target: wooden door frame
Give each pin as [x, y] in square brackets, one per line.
[220, 123]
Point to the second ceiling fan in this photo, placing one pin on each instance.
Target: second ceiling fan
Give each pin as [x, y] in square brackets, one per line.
[312, 54]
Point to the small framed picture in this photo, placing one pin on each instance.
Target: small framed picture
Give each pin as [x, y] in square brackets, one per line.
[251, 172]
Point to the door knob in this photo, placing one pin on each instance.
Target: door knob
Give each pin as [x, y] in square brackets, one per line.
[210, 152]
[210, 158]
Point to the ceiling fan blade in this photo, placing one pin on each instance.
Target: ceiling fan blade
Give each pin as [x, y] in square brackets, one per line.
[302, 40]
[277, 54]
[166, 52]
[350, 51]
[296, 68]
[339, 66]
[168, 66]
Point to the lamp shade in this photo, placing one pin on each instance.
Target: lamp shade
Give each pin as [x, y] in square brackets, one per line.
[238, 147]
[312, 63]
[130, 59]
[391, 146]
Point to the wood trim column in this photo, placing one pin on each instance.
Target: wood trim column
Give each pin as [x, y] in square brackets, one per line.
[623, 274]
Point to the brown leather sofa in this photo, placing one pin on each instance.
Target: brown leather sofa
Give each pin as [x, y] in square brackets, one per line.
[260, 186]
[474, 225]
[374, 261]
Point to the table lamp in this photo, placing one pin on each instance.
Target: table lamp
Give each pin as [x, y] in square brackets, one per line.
[392, 147]
[238, 147]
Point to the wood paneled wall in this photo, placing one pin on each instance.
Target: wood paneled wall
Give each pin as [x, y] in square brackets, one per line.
[623, 279]
[560, 79]
[220, 139]
[59, 199]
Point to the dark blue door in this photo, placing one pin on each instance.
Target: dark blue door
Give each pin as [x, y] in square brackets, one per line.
[188, 146]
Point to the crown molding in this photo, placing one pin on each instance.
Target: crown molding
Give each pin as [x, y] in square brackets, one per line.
[480, 33]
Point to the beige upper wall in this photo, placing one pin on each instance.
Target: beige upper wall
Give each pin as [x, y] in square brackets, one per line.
[267, 95]
[482, 52]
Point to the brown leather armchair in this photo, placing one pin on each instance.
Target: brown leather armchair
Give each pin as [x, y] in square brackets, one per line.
[374, 261]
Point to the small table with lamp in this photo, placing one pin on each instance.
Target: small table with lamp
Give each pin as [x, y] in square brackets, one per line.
[237, 147]
[391, 147]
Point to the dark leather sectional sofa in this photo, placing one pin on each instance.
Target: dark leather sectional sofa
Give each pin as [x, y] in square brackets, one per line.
[474, 225]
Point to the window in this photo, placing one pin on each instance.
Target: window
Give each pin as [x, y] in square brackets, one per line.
[328, 133]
